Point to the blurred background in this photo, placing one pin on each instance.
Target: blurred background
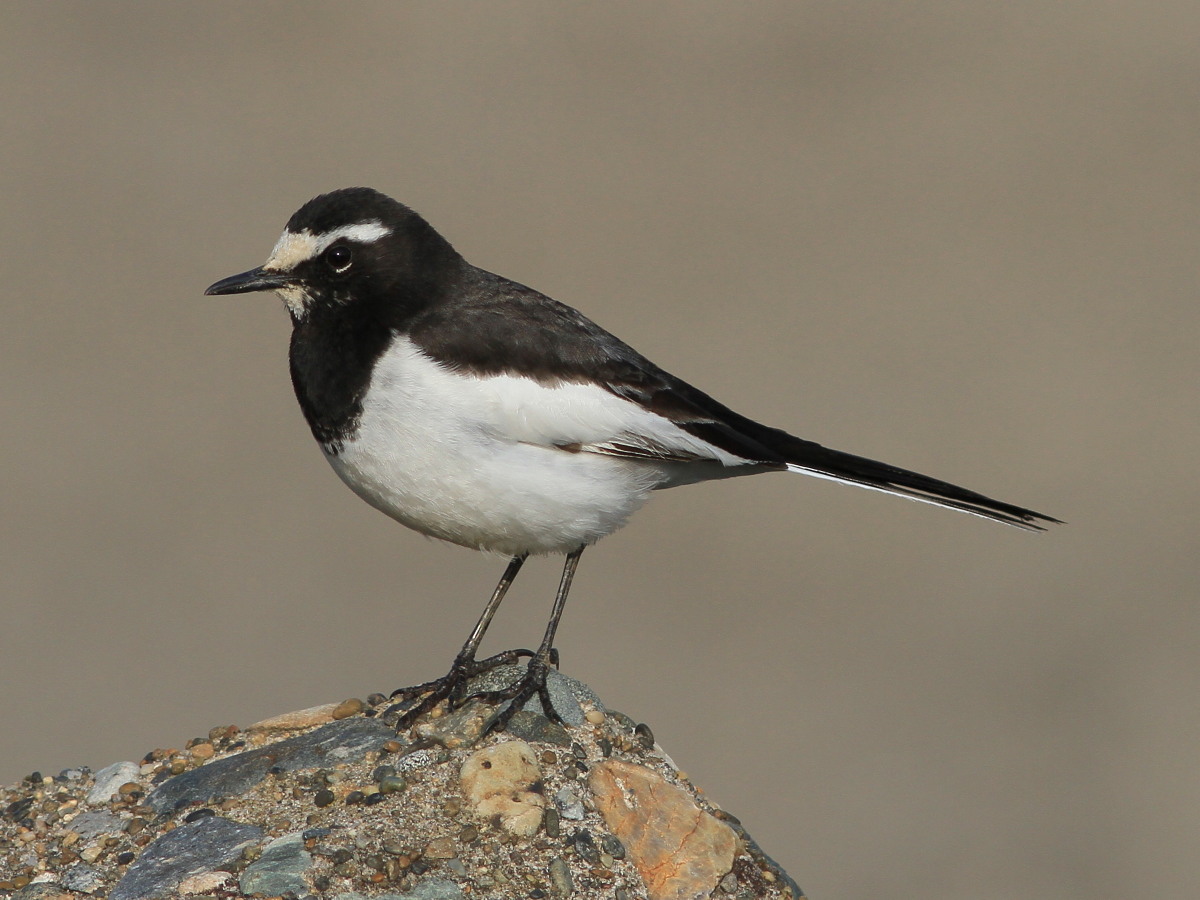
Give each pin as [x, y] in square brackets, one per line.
[959, 237]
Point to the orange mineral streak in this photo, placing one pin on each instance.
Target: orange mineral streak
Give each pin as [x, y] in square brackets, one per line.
[680, 850]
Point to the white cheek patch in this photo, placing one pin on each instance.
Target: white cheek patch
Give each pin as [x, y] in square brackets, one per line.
[296, 299]
[293, 248]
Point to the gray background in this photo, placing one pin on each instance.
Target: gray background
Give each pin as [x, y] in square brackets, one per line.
[959, 237]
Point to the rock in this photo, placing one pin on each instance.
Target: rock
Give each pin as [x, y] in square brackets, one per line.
[82, 878]
[342, 741]
[566, 694]
[47, 890]
[392, 784]
[568, 803]
[564, 697]
[205, 883]
[429, 889]
[560, 877]
[295, 721]
[503, 781]
[461, 728]
[681, 851]
[91, 854]
[433, 889]
[109, 780]
[612, 846]
[348, 708]
[420, 758]
[202, 846]
[280, 869]
[440, 848]
[95, 822]
[202, 751]
[474, 821]
[533, 726]
[584, 846]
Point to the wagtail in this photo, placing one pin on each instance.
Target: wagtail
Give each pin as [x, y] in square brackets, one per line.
[476, 410]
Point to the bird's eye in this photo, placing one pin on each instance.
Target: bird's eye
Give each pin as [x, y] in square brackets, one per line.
[339, 258]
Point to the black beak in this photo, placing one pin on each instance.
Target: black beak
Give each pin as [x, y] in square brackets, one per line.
[248, 282]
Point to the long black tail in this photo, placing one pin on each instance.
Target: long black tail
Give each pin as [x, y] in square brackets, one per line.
[813, 459]
[698, 413]
[773, 446]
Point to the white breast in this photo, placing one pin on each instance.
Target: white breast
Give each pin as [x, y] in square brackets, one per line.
[478, 460]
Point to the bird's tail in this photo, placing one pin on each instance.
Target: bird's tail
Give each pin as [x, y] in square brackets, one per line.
[775, 447]
[703, 417]
[813, 459]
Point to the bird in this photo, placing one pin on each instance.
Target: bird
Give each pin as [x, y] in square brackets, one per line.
[478, 411]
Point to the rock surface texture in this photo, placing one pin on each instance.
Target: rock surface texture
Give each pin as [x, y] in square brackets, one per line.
[332, 802]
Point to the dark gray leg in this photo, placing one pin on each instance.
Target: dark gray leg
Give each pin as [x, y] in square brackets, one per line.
[465, 667]
[534, 681]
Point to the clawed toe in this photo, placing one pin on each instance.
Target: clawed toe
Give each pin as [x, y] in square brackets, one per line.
[531, 684]
[419, 699]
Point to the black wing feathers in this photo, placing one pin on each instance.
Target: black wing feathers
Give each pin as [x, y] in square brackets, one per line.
[531, 334]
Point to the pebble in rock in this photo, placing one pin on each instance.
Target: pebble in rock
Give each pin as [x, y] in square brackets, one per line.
[82, 878]
[109, 781]
[533, 726]
[280, 869]
[201, 846]
[348, 708]
[440, 848]
[613, 847]
[562, 698]
[204, 883]
[420, 759]
[346, 740]
[295, 720]
[499, 782]
[95, 822]
[392, 784]
[429, 889]
[461, 728]
[551, 823]
[42, 890]
[585, 847]
[568, 803]
[560, 877]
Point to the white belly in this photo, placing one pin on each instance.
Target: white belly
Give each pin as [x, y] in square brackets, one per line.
[474, 460]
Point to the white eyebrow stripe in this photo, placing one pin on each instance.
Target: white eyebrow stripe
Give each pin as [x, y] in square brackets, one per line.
[362, 232]
[293, 248]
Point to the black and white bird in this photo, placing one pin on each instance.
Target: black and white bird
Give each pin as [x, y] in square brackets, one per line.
[476, 410]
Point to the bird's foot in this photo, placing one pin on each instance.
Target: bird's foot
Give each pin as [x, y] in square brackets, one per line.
[516, 695]
[419, 699]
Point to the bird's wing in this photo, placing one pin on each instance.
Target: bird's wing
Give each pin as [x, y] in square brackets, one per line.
[664, 418]
[554, 378]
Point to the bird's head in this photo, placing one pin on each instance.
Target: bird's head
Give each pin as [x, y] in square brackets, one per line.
[350, 246]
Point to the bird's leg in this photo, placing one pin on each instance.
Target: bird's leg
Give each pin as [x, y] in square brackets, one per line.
[465, 667]
[534, 680]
